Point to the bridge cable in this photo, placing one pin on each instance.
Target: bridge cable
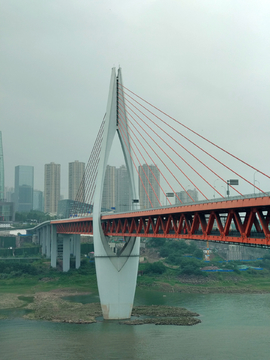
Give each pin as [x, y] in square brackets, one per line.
[153, 163]
[145, 163]
[212, 143]
[174, 152]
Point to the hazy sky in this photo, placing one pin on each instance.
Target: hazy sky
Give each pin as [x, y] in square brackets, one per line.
[207, 63]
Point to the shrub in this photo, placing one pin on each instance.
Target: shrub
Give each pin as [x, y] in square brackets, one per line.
[190, 267]
[155, 268]
[198, 253]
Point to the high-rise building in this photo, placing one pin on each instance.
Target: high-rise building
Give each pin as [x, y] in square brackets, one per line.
[2, 181]
[76, 181]
[24, 186]
[7, 211]
[116, 190]
[185, 198]
[51, 187]
[6, 206]
[38, 202]
[149, 174]
[109, 189]
[123, 192]
[9, 194]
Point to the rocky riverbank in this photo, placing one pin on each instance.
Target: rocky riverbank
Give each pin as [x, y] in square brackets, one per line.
[50, 306]
[162, 315]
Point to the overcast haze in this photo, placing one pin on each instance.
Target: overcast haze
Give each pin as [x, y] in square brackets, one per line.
[204, 62]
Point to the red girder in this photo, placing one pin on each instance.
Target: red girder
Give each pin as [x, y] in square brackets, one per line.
[251, 218]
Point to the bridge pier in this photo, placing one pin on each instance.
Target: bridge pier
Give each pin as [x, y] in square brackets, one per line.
[116, 277]
[66, 253]
[116, 273]
[48, 241]
[77, 250]
[53, 246]
[43, 240]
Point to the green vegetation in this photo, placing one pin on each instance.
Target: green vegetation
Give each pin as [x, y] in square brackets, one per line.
[154, 268]
[86, 248]
[178, 253]
[18, 277]
[30, 250]
[182, 271]
[179, 270]
[28, 217]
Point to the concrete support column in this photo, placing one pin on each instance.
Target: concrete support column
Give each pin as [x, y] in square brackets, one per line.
[72, 249]
[53, 246]
[66, 253]
[48, 241]
[43, 241]
[77, 250]
[39, 236]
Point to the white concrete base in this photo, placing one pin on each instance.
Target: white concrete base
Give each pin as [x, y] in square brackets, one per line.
[117, 287]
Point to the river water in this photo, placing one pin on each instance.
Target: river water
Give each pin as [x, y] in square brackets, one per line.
[234, 326]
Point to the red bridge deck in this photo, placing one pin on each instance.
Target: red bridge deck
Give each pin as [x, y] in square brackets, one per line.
[200, 221]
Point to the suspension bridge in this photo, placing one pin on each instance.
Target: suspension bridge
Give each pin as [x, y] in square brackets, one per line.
[151, 139]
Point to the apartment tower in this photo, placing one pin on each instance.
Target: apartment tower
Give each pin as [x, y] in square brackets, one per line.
[76, 181]
[51, 187]
[149, 174]
[109, 189]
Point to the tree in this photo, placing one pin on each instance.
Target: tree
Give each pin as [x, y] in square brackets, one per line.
[198, 253]
[155, 268]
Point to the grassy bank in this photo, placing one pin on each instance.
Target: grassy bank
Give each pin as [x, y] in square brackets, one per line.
[20, 278]
[213, 283]
[39, 277]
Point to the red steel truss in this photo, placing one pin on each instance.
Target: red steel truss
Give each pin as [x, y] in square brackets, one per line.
[210, 221]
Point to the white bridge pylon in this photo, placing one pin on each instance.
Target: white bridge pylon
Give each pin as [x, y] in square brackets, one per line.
[116, 273]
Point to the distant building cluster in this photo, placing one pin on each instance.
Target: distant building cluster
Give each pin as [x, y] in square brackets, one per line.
[116, 191]
[184, 197]
[23, 197]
